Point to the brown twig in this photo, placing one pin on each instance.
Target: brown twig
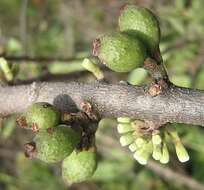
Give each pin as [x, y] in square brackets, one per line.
[23, 24]
[169, 174]
[47, 60]
[39, 59]
[76, 76]
[180, 44]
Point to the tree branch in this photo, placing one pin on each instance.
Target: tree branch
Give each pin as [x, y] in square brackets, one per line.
[37, 60]
[171, 175]
[175, 104]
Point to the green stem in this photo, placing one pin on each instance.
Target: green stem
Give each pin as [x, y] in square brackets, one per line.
[93, 68]
[6, 69]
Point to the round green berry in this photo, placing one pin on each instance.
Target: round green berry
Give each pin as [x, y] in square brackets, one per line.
[42, 115]
[55, 144]
[141, 23]
[79, 166]
[120, 52]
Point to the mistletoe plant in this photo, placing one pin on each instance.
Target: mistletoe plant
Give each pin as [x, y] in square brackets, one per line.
[69, 137]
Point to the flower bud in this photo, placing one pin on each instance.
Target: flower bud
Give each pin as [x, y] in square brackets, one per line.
[124, 120]
[142, 154]
[181, 152]
[157, 151]
[133, 147]
[165, 154]
[124, 128]
[126, 139]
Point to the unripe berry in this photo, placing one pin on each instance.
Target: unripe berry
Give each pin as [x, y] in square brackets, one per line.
[141, 23]
[79, 166]
[55, 144]
[120, 52]
[40, 115]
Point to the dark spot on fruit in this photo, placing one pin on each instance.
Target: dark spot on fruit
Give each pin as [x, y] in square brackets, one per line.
[50, 130]
[21, 121]
[30, 150]
[95, 47]
[35, 127]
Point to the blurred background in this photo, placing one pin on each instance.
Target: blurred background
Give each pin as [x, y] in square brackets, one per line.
[47, 41]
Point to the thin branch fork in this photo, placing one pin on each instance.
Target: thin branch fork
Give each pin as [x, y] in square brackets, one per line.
[180, 105]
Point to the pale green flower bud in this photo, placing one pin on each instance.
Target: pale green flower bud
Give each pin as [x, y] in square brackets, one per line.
[165, 154]
[126, 139]
[181, 152]
[133, 147]
[123, 119]
[157, 151]
[140, 141]
[124, 128]
[156, 138]
[142, 155]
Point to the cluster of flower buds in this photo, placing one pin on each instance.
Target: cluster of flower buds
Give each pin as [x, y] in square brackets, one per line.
[144, 144]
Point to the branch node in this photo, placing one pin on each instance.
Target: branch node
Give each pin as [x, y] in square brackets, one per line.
[155, 90]
[35, 127]
[159, 75]
[73, 118]
[87, 108]
[152, 125]
[95, 46]
[157, 71]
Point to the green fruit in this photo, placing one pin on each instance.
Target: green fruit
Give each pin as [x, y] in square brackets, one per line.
[120, 52]
[55, 144]
[79, 167]
[141, 23]
[42, 115]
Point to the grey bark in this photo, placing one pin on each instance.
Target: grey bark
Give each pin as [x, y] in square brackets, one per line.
[180, 105]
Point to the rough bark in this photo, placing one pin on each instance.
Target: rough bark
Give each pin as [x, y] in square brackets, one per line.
[175, 104]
